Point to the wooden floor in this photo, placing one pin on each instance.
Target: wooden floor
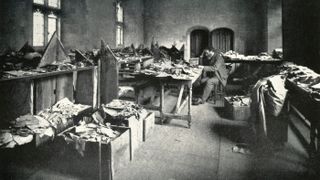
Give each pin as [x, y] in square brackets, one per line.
[202, 152]
[176, 152]
[205, 152]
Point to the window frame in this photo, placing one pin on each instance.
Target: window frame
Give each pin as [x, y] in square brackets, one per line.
[47, 10]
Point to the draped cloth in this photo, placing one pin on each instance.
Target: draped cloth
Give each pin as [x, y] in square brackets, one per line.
[268, 99]
[258, 118]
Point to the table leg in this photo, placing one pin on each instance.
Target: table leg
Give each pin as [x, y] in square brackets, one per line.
[312, 145]
[189, 105]
[32, 97]
[178, 105]
[100, 161]
[317, 148]
[161, 102]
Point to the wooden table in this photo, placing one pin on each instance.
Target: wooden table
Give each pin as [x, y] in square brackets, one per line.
[255, 63]
[274, 61]
[301, 100]
[126, 67]
[182, 84]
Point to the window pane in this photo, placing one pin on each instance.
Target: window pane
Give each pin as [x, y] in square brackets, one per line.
[119, 13]
[38, 29]
[38, 1]
[119, 36]
[52, 25]
[54, 3]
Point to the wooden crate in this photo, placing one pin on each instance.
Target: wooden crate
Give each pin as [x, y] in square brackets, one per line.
[39, 139]
[148, 125]
[99, 160]
[140, 127]
[239, 113]
[42, 139]
[136, 135]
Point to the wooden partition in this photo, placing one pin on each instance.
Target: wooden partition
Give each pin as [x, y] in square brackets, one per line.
[31, 94]
[86, 87]
[108, 74]
[16, 99]
[64, 83]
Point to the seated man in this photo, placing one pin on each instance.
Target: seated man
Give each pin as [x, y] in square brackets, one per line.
[214, 71]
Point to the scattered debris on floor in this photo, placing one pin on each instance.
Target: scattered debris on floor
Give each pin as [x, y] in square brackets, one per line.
[241, 148]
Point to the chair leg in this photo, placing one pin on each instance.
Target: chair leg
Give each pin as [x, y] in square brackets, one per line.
[215, 88]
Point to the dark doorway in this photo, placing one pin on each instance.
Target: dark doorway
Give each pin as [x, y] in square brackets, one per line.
[199, 41]
[222, 39]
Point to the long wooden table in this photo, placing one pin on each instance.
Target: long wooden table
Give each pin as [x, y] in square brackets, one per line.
[184, 85]
[300, 99]
[274, 61]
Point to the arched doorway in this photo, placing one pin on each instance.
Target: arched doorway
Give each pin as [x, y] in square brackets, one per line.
[199, 40]
[222, 39]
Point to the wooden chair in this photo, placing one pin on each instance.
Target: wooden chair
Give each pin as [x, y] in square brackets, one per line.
[219, 91]
[217, 95]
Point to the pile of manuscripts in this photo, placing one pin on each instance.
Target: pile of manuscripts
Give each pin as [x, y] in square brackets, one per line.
[45, 123]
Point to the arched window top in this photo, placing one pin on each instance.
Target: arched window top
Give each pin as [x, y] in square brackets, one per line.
[223, 29]
[197, 28]
[119, 11]
[200, 31]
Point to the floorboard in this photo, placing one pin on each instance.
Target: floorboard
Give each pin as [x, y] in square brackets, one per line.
[175, 152]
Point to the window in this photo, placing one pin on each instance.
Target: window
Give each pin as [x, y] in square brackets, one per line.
[119, 25]
[46, 21]
[38, 28]
[52, 24]
[39, 2]
[119, 35]
[54, 3]
[119, 13]
[198, 41]
[222, 39]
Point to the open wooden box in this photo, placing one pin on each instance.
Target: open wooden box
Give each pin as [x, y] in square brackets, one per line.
[237, 112]
[136, 131]
[148, 125]
[99, 160]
